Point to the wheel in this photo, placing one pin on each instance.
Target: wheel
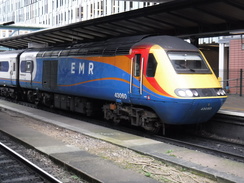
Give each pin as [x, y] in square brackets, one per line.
[153, 127]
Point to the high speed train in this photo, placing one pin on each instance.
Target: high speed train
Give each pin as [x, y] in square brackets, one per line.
[146, 80]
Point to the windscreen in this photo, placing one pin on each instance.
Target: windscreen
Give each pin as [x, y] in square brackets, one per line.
[188, 62]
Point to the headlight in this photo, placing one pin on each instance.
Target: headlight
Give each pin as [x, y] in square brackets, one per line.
[199, 92]
[181, 93]
[195, 93]
[220, 92]
[187, 92]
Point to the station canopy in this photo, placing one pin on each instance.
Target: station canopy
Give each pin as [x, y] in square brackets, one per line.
[182, 18]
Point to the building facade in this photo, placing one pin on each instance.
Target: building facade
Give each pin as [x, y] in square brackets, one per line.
[52, 13]
[62, 12]
[236, 66]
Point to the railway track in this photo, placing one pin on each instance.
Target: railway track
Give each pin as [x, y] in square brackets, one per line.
[226, 126]
[220, 148]
[15, 168]
[228, 145]
[222, 136]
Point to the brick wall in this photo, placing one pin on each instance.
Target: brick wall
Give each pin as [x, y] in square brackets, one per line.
[236, 62]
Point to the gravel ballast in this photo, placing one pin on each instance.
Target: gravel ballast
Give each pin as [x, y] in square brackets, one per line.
[120, 156]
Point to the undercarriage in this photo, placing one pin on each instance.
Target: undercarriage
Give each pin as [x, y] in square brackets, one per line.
[115, 112]
[137, 116]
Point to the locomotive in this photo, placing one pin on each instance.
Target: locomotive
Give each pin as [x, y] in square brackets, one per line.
[147, 80]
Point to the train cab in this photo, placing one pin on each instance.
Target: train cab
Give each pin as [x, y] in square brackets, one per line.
[176, 80]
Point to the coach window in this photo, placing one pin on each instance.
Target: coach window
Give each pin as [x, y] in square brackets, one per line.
[151, 65]
[4, 66]
[137, 65]
[26, 66]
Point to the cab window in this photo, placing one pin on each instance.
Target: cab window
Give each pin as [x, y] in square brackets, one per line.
[151, 65]
[188, 62]
[137, 65]
[26, 66]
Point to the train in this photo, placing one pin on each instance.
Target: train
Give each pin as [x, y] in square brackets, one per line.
[147, 80]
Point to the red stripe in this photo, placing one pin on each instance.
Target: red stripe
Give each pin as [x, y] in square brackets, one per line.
[155, 85]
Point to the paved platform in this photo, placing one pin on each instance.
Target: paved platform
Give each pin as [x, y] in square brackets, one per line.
[220, 168]
[234, 105]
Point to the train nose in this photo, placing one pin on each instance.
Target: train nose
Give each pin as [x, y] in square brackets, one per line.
[189, 111]
[202, 110]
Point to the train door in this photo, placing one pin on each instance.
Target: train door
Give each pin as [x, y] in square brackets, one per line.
[50, 70]
[137, 66]
[13, 71]
[26, 68]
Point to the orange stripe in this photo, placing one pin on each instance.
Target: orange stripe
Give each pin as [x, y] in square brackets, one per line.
[7, 79]
[121, 61]
[28, 81]
[118, 79]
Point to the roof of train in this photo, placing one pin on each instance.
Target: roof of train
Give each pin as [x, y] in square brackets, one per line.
[168, 43]
[118, 46]
[183, 18]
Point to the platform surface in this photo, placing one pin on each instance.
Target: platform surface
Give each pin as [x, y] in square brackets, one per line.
[234, 105]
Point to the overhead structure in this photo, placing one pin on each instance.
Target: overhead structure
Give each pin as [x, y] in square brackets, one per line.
[183, 18]
[17, 28]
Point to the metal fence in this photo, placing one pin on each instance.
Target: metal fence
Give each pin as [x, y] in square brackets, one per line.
[234, 85]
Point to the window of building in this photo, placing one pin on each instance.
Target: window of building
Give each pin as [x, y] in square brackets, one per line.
[91, 10]
[81, 12]
[102, 8]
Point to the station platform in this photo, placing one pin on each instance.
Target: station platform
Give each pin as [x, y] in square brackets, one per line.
[223, 170]
[234, 105]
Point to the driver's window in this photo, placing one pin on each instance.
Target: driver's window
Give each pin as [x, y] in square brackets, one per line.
[137, 65]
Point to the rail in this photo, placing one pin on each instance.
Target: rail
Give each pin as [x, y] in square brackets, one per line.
[33, 168]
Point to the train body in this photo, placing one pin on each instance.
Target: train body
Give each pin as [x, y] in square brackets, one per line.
[147, 80]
